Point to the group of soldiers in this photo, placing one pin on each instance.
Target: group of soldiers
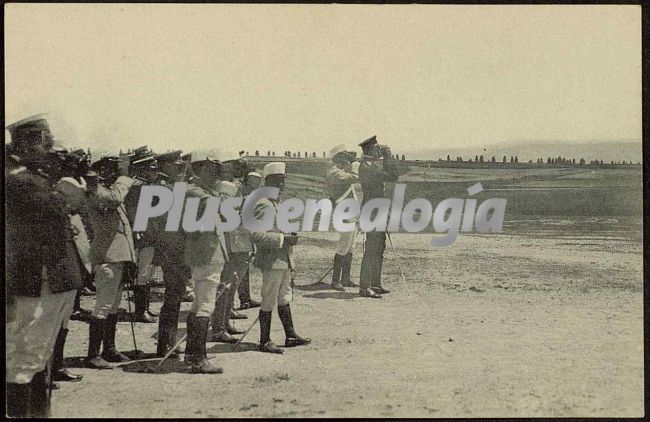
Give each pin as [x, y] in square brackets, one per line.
[68, 221]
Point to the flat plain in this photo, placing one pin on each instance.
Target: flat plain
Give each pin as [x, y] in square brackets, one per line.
[544, 319]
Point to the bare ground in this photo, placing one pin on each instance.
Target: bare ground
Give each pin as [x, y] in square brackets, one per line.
[495, 325]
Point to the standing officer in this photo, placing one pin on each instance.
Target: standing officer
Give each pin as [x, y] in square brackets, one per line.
[273, 257]
[252, 182]
[169, 252]
[204, 253]
[112, 254]
[72, 185]
[42, 273]
[238, 247]
[376, 169]
[339, 183]
[144, 167]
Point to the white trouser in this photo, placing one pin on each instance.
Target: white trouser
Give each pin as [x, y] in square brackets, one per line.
[276, 288]
[108, 281]
[30, 337]
[206, 278]
[346, 241]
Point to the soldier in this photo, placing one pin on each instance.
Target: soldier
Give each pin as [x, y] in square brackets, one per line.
[113, 256]
[236, 170]
[339, 183]
[72, 186]
[375, 170]
[273, 257]
[238, 247]
[145, 167]
[169, 252]
[204, 253]
[253, 181]
[42, 273]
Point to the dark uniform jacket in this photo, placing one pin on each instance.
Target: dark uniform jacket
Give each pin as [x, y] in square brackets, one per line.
[373, 177]
[39, 238]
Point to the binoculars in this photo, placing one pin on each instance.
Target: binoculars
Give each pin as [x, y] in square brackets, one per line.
[384, 150]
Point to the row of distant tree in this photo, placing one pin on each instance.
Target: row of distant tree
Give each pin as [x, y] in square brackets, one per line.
[549, 160]
[306, 154]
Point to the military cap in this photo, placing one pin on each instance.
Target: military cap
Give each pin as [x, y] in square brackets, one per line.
[369, 142]
[253, 174]
[274, 168]
[173, 157]
[29, 130]
[336, 150]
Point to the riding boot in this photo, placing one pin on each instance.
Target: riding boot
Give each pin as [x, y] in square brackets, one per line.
[244, 291]
[167, 328]
[110, 353]
[140, 294]
[18, 400]
[345, 272]
[336, 273]
[198, 359]
[219, 318]
[39, 401]
[230, 300]
[59, 373]
[190, 344]
[266, 345]
[96, 328]
[292, 339]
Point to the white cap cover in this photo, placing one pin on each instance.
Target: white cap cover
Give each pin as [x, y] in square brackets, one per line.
[274, 168]
[336, 150]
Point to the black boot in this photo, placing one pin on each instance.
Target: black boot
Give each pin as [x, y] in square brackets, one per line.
[292, 339]
[336, 273]
[266, 345]
[345, 272]
[230, 300]
[140, 294]
[18, 400]
[59, 373]
[244, 291]
[195, 352]
[219, 317]
[190, 343]
[110, 353]
[39, 401]
[167, 327]
[96, 329]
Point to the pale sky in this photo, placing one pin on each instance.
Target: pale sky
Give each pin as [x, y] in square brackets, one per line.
[311, 76]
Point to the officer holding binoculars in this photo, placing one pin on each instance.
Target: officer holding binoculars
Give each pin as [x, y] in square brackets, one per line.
[376, 169]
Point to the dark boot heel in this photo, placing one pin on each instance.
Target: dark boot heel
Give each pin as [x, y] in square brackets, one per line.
[292, 339]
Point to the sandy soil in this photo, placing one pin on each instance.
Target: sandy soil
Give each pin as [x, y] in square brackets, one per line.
[495, 325]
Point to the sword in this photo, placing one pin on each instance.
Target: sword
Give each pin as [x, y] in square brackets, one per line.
[246, 332]
[399, 264]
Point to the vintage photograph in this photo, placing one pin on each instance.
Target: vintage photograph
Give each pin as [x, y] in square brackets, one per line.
[323, 211]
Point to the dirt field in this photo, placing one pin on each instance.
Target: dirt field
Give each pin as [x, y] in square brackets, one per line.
[526, 324]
